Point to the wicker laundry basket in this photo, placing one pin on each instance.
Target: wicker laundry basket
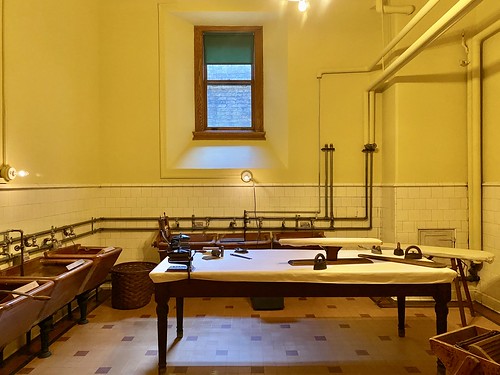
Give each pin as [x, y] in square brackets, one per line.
[131, 286]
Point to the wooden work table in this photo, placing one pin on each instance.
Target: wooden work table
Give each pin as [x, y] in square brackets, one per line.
[267, 273]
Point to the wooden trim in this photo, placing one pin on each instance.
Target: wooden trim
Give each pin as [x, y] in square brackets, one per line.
[258, 87]
[200, 94]
[229, 135]
[200, 88]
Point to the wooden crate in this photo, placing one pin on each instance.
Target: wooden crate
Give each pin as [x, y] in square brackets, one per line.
[454, 351]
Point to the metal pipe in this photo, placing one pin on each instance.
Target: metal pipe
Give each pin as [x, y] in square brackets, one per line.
[321, 73]
[54, 229]
[281, 212]
[330, 150]
[325, 150]
[474, 135]
[20, 247]
[371, 117]
[139, 229]
[455, 13]
[76, 236]
[404, 31]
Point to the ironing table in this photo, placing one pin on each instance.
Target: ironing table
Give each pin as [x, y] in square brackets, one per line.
[457, 257]
[268, 273]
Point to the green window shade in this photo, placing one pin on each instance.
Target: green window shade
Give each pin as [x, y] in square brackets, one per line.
[228, 48]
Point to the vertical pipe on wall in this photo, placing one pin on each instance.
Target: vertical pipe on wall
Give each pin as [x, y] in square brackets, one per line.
[325, 149]
[330, 151]
[474, 149]
[371, 118]
[474, 135]
[2, 85]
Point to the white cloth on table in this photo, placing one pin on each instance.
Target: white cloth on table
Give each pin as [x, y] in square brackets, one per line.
[272, 266]
[451, 252]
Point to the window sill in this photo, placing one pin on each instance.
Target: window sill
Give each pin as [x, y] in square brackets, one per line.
[229, 135]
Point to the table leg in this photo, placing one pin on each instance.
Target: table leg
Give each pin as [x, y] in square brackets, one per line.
[441, 308]
[179, 301]
[466, 287]
[401, 316]
[162, 326]
[459, 293]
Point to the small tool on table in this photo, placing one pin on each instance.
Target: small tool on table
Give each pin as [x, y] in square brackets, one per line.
[239, 256]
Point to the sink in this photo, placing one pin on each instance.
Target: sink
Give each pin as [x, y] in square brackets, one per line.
[67, 282]
[103, 258]
[19, 314]
[68, 277]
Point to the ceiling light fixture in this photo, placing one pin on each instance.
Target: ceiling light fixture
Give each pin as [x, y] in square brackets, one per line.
[303, 4]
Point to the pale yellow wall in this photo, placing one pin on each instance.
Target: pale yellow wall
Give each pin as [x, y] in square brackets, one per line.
[326, 41]
[51, 90]
[83, 93]
[428, 125]
[491, 109]
[83, 89]
[129, 91]
[296, 47]
[431, 134]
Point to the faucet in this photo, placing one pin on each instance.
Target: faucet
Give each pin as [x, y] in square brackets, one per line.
[5, 245]
[20, 247]
[260, 222]
[30, 242]
[54, 243]
[68, 232]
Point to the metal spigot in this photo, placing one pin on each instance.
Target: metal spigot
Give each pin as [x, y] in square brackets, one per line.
[52, 242]
[246, 218]
[68, 232]
[5, 244]
[30, 242]
[20, 248]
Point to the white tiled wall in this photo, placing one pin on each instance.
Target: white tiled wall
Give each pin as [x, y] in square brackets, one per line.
[36, 209]
[398, 211]
[488, 291]
[406, 209]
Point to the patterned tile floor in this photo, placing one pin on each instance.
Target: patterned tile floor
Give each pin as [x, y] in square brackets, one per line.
[311, 336]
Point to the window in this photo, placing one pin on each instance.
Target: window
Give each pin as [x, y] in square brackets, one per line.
[228, 82]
